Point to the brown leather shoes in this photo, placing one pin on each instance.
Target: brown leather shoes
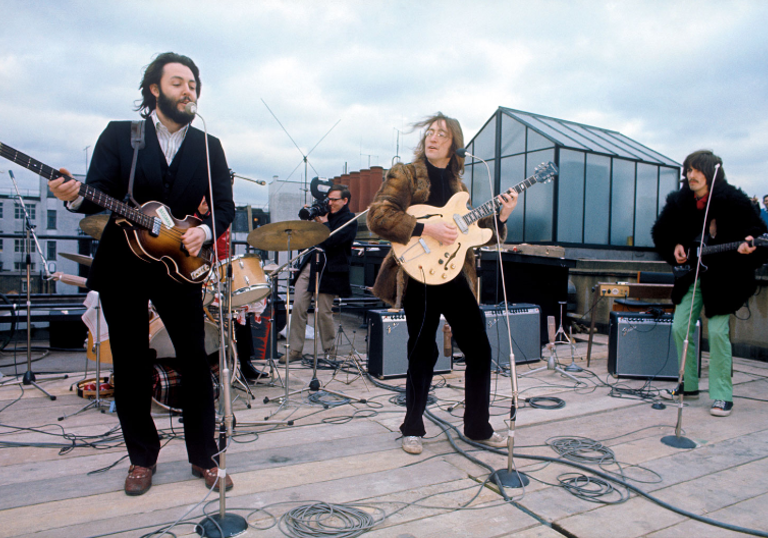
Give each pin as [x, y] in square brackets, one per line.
[139, 479]
[210, 476]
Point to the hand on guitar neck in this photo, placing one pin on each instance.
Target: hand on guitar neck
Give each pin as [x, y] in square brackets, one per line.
[747, 247]
[67, 189]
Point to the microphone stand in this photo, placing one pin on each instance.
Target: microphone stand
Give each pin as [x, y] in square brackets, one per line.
[509, 477]
[221, 524]
[678, 440]
[29, 377]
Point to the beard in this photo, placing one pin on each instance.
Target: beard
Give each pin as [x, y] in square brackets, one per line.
[170, 109]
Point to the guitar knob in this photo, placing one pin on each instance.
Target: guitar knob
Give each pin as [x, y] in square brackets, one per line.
[453, 266]
[431, 271]
[445, 276]
[440, 262]
[447, 254]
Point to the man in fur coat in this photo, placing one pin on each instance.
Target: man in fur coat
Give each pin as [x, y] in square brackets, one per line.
[729, 278]
[432, 178]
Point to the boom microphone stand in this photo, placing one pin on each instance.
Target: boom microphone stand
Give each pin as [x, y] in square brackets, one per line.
[677, 440]
[29, 376]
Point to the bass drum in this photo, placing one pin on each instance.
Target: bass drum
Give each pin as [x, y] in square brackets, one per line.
[161, 342]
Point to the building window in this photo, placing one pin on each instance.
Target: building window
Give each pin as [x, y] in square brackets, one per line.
[1, 210]
[51, 251]
[18, 245]
[51, 219]
[18, 212]
[22, 266]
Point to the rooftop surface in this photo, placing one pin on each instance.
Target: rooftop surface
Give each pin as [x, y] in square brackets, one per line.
[64, 478]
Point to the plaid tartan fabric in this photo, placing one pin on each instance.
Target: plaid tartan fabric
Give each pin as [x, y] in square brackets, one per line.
[166, 381]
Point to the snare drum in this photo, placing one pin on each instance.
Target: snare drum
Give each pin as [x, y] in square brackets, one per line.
[249, 284]
[161, 342]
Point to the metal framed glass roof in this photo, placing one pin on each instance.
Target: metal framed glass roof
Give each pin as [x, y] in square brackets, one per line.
[572, 135]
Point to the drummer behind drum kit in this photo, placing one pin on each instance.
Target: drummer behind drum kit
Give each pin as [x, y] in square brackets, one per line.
[249, 283]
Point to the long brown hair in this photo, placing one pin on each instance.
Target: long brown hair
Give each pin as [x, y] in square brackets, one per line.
[456, 165]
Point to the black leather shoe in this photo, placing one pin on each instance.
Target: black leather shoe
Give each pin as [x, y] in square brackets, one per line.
[252, 374]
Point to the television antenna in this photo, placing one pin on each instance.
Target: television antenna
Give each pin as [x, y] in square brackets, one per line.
[304, 158]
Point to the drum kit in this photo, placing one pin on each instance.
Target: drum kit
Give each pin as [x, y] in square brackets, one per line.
[245, 280]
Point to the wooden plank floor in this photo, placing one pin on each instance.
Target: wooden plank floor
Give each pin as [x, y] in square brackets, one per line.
[350, 455]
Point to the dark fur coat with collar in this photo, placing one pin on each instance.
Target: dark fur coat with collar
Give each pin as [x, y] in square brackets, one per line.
[729, 280]
[404, 186]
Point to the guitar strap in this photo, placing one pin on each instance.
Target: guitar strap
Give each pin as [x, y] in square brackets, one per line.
[137, 143]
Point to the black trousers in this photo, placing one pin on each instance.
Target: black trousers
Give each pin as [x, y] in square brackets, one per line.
[423, 305]
[181, 310]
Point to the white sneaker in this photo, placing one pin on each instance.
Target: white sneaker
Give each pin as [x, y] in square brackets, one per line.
[412, 444]
[495, 441]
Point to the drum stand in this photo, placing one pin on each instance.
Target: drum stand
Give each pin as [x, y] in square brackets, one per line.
[96, 403]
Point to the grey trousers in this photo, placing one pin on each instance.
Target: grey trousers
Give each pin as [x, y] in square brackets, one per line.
[302, 299]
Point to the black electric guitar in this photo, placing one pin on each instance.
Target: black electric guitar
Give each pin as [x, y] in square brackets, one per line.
[429, 261]
[152, 231]
[687, 269]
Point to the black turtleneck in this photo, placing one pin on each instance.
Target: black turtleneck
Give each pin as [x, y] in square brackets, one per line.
[439, 193]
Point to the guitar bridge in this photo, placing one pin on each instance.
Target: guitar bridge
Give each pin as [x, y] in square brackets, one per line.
[424, 250]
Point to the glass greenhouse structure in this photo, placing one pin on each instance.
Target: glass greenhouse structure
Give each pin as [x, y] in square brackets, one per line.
[608, 193]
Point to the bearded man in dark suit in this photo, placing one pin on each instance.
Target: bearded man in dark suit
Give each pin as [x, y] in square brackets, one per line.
[172, 169]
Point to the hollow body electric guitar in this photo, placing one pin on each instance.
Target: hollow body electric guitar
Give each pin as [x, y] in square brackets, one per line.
[431, 262]
[687, 270]
[153, 233]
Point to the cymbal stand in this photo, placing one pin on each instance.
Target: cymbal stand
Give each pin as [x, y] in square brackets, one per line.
[97, 401]
[285, 398]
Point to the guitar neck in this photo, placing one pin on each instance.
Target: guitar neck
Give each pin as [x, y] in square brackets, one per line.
[89, 193]
[490, 207]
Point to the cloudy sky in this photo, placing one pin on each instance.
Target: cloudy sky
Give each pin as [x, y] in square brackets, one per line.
[344, 77]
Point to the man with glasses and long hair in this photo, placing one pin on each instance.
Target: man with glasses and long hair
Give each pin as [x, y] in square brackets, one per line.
[432, 178]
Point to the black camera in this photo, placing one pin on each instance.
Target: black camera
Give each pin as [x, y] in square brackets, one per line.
[318, 209]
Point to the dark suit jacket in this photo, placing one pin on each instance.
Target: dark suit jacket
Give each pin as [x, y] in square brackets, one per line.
[109, 173]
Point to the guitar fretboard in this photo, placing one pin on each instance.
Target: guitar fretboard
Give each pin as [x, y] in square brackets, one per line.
[490, 207]
[89, 193]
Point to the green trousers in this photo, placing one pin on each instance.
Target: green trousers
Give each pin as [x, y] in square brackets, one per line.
[720, 355]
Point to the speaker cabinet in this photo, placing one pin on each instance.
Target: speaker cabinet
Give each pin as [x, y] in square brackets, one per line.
[642, 346]
[388, 345]
[524, 328]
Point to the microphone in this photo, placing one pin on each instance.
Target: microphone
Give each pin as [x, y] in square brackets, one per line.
[462, 152]
[190, 108]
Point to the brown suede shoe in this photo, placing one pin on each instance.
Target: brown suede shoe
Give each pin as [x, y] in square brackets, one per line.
[210, 476]
[139, 479]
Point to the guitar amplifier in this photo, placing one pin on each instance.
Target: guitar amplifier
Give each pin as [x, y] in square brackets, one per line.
[388, 345]
[524, 327]
[642, 346]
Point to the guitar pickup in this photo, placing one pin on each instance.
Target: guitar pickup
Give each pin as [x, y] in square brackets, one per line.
[156, 226]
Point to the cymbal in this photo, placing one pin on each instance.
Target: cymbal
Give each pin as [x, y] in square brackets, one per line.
[274, 236]
[94, 225]
[79, 258]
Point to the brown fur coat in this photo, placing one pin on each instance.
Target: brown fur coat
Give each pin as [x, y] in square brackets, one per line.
[404, 186]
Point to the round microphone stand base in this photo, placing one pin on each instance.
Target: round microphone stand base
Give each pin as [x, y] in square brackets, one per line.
[511, 479]
[215, 526]
[678, 442]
